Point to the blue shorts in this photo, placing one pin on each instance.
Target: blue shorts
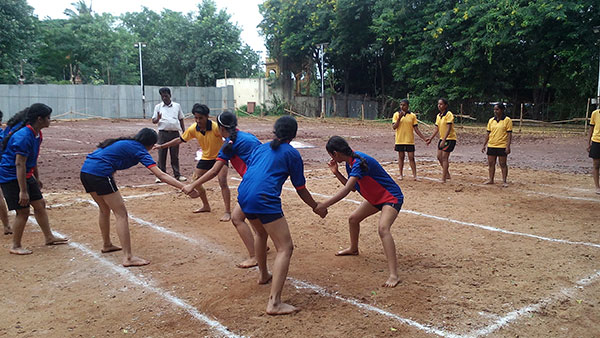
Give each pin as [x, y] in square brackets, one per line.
[396, 206]
[264, 218]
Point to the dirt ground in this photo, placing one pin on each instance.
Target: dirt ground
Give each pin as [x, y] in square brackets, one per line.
[474, 260]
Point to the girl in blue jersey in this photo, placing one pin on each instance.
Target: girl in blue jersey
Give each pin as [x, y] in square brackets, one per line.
[97, 179]
[237, 149]
[19, 175]
[367, 176]
[259, 197]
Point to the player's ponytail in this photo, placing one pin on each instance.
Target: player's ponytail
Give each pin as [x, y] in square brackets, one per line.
[26, 116]
[338, 144]
[147, 137]
[228, 121]
[285, 130]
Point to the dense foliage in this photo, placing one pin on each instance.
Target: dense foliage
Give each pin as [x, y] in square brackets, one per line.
[181, 49]
[543, 52]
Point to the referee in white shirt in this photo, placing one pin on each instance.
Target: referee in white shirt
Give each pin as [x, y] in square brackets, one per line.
[169, 117]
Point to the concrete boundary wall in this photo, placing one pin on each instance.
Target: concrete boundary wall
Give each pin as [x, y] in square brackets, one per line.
[108, 101]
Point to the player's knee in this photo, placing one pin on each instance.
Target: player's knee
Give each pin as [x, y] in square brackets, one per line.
[383, 231]
[354, 219]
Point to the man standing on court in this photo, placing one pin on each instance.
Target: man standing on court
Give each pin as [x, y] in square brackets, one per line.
[169, 116]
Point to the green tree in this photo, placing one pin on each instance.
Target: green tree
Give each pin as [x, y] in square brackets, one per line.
[17, 38]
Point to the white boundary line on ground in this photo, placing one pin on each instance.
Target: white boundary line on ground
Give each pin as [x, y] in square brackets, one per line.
[297, 283]
[502, 321]
[215, 325]
[514, 315]
[480, 226]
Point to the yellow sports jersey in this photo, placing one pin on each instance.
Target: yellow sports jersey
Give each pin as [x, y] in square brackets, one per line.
[499, 132]
[405, 131]
[444, 122]
[595, 121]
[210, 142]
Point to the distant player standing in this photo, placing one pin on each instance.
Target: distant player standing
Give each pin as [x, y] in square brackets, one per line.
[3, 209]
[444, 124]
[594, 146]
[497, 140]
[169, 117]
[405, 124]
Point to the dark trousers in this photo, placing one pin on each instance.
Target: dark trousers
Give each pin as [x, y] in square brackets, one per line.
[165, 136]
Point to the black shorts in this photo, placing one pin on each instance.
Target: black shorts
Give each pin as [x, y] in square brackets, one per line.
[595, 150]
[448, 146]
[405, 147]
[205, 164]
[101, 185]
[264, 218]
[396, 206]
[496, 152]
[11, 193]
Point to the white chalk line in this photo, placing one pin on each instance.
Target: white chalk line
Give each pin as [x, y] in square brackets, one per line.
[510, 317]
[215, 325]
[515, 315]
[297, 283]
[480, 226]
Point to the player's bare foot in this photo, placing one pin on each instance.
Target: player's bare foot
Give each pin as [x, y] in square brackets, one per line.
[488, 182]
[347, 252]
[57, 241]
[226, 217]
[265, 279]
[110, 248]
[203, 209]
[7, 231]
[416, 178]
[281, 309]
[598, 191]
[504, 184]
[400, 178]
[135, 261]
[20, 251]
[248, 263]
[391, 282]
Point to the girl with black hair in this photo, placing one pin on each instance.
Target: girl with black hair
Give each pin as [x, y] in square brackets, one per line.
[97, 179]
[19, 175]
[444, 125]
[497, 140]
[206, 132]
[367, 176]
[237, 149]
[259, 196]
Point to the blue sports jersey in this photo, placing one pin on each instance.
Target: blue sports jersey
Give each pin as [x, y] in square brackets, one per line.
[375, 185]
[120, 155]
[260, 190]
[244, 145]
[26, 143]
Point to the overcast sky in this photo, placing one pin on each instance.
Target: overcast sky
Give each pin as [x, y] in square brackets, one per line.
[243, 12]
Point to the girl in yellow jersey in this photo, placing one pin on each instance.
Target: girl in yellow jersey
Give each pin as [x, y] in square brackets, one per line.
[444, 124]
[405, 124]
[594, 146]
[497, 140]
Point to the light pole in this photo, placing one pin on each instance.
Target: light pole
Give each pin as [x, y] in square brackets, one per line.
[21, 76]
[322, 47]
[597, 30]
[139, 46]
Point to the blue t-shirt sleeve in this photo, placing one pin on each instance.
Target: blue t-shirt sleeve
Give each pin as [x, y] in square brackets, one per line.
[23, 145]
[296, 169]
[355, 170]
[222, 154]
[145, 158]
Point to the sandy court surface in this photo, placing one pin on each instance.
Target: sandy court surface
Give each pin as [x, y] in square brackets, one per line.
[474, 260]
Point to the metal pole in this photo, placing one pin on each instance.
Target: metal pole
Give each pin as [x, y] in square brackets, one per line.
[139, 45]
[322, 51]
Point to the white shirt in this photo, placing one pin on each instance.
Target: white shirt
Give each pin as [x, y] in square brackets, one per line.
[170, 116]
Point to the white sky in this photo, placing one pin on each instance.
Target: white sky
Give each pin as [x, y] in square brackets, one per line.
[243, 12]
